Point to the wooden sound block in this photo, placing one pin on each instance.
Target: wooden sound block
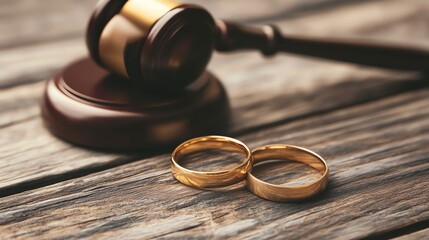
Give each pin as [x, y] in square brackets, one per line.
[87, 105]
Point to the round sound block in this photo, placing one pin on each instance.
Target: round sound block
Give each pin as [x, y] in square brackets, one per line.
[87, 105]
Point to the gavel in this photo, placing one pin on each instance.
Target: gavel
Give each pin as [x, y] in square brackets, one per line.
[166, 45]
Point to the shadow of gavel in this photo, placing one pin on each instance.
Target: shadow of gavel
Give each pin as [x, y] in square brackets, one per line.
[166, 45]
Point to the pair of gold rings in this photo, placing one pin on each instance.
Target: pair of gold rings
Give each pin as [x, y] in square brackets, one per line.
[243, 171]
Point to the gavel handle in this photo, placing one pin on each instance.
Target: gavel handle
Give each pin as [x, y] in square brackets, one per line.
[269, 40]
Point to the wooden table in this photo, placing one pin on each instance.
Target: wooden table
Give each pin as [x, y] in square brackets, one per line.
[371, 125]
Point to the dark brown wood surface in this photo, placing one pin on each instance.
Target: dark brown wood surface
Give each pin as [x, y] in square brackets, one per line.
[371, 125]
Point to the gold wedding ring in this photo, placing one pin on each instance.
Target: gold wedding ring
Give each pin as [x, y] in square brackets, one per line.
[281, 193]
[210, 179]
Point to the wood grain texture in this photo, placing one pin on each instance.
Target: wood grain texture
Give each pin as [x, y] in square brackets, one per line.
[260, 96]
[379, 164]
[27, 22]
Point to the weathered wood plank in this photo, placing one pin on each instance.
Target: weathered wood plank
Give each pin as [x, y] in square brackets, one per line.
[37, 62]
[378, 158]
[259, 97]
[27, 22]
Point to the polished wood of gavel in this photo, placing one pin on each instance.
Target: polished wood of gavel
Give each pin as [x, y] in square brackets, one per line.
[163, 44]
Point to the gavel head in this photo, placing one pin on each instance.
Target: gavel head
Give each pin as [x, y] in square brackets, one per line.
[161, 44]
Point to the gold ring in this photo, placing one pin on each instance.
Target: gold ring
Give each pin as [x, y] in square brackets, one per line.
[210, 179]
[281, 193]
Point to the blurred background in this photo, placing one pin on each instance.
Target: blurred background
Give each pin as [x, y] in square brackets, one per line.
[39, 37]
